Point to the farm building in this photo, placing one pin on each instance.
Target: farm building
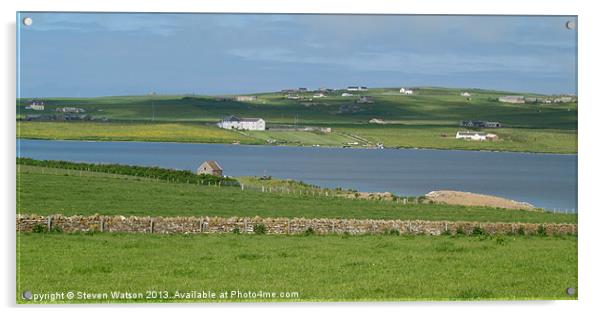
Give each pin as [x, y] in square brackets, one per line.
[481, 124]
[319, 95]
[563, 100]
[476, 136]
[406, 91]
[70, 110]
[249, 124]
[245, 98]
[465, 94]
[210, 167]
[512, 99]
[35, 105]
[357, 88]
[345, 94]
[377, 121]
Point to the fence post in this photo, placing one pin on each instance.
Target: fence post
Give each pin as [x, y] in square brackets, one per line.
[102, 224]
[49, 222]
[245, 225]
[152, 225]
[206, 224]
[288, 226]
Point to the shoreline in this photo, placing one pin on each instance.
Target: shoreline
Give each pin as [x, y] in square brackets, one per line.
[302, 146]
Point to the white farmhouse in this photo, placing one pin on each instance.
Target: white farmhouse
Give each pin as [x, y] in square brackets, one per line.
[406, 91]
[248, 124]
[465, 94]
[245, 98]
[36, 106]
[345, 94]
[476, 136]
[512, 99]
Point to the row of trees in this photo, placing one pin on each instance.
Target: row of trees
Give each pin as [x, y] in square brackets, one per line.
[183, 176]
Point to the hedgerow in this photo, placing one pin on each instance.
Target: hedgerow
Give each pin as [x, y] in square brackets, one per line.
[172, 175]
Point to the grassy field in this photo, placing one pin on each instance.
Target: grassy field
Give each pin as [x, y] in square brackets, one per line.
[165, 132]
[415, 121]
[44, 191]
[316, 268]
[524, 140]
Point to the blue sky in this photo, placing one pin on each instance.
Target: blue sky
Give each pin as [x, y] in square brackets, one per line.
[97, 54]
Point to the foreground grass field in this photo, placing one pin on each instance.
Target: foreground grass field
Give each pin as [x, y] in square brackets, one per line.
[317, 268]
[428, 119]
[49, 191]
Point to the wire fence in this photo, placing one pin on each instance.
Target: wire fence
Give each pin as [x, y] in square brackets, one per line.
[288, 190]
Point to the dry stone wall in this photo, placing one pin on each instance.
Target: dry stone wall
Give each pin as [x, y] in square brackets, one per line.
[170, 225]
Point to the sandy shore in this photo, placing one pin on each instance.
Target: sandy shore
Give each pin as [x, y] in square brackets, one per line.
[473, 199]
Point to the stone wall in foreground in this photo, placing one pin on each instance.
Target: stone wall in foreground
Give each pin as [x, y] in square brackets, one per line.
[169, 225]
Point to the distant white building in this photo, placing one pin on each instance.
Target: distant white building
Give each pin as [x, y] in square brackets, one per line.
[564, 100]
[68, 109]
[319, 95]
[345, 94]
[245, 98]
[476, 136]
[406, 91]
[377, 121]
[248, 124]
[465, 94]
[357, 88]
[36, 106]
[512, 99]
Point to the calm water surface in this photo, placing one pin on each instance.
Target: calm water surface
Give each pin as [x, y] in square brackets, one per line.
[545, 180]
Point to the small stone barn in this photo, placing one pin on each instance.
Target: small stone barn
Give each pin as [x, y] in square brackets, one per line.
[210, 167]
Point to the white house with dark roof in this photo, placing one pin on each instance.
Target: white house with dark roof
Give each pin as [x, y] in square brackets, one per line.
[248, 124]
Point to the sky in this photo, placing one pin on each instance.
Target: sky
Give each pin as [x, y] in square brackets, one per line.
[103, 54]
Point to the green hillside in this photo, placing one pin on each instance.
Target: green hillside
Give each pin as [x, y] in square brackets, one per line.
[47, 191]
[428, 119]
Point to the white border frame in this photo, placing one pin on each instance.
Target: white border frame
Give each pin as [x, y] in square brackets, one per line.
[589, 170]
